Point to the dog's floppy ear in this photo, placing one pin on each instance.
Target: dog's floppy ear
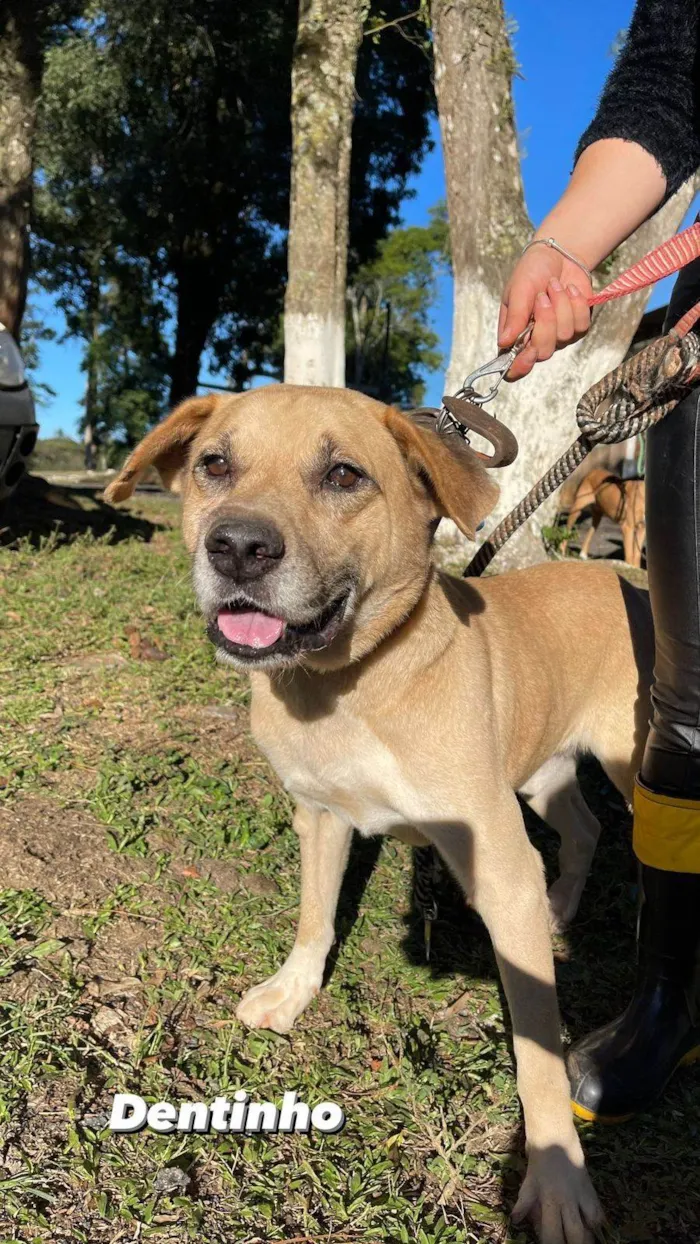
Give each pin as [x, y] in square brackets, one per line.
[459, 484]
[164, 448]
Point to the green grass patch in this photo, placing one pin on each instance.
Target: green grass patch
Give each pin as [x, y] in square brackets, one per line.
[151, 875]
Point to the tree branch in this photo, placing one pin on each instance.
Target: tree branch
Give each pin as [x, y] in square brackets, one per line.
[397, 21]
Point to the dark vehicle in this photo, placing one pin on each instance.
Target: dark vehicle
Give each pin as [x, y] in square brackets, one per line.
[18, 429]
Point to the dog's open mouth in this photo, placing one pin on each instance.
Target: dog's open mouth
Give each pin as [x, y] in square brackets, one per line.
[253, 635]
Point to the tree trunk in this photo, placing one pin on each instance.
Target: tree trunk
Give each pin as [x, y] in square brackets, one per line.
[488, 228]
[323, 79]
[19, 84]
[193, 297]
[94, 307]
[89, 446]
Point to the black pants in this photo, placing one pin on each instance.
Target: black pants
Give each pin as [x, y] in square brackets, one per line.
[671, 763]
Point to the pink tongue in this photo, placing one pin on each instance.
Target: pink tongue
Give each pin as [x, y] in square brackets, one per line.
[253, 630]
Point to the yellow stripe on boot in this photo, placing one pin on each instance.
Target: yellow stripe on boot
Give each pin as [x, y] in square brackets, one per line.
[666, 831]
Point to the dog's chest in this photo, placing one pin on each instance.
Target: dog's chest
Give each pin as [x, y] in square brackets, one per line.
[345, 767]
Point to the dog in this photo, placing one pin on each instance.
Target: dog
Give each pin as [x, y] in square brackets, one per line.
[398, 700]
[622, 500]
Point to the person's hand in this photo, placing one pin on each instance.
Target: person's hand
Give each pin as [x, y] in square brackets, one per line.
[546, 287]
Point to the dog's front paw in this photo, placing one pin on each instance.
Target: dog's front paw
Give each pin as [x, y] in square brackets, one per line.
[559, 1198]
[277, 1002]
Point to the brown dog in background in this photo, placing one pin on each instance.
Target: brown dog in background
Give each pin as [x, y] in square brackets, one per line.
[622, 500]
[398, 700]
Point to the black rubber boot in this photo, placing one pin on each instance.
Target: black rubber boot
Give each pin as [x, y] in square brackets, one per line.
[620, 1070]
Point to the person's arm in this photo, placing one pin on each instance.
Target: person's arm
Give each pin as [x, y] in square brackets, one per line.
[642, 144]
[614, 187]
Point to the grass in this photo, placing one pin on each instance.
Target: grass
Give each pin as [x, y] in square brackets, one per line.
[150, 875]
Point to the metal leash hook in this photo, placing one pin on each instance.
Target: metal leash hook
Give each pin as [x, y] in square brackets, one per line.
[463, 413]
[500, 366]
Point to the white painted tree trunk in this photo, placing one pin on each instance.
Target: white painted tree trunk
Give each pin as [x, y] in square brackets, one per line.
[323, 80]
[314, 349]
[488, 227]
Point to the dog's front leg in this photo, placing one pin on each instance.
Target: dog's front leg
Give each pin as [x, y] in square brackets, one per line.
[503, 876]
[324, 841]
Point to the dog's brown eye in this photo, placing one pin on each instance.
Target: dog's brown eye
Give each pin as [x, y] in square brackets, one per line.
[216, 466]
[343, 476]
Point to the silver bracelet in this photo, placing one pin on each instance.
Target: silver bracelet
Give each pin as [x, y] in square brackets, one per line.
[562, 251]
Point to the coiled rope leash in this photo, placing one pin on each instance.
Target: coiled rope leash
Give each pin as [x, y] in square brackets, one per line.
[631, 398]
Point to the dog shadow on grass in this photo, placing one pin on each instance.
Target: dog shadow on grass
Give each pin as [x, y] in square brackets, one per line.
[646, 1171]
[39, 511]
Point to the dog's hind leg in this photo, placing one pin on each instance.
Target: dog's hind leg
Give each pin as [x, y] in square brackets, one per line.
[554, 794]
[588, 538]
[629, 542]
[325, 842]
[573, 516]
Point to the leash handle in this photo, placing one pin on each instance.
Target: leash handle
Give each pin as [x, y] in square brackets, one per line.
[664, 260]
[669, 257]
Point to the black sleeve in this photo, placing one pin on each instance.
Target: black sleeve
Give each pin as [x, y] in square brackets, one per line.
[651, 96]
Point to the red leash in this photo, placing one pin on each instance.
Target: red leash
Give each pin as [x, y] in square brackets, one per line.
[663, 261]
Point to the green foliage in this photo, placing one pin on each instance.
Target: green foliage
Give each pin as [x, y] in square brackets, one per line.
[57, 453]
[33, 332]
[390, 343]
[555, 535]
[394, 102]
[108, 298]
[163, 187]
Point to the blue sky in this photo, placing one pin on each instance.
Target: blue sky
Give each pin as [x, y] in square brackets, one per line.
[564, 53]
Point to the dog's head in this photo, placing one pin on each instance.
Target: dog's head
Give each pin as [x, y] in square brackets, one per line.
[309, 514]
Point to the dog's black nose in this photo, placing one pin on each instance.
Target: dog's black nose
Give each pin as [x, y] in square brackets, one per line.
[244, 548]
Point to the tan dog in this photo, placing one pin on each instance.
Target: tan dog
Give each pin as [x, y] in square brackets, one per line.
[399, 700]
[622, 500]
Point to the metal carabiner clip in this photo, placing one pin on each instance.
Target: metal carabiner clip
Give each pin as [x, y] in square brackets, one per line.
[500, 366]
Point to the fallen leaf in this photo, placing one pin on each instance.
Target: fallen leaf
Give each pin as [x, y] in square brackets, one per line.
[55, 715]
[141, 649]
[190, 871]
[105, 1021]
[149, 652]
[42, 949]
